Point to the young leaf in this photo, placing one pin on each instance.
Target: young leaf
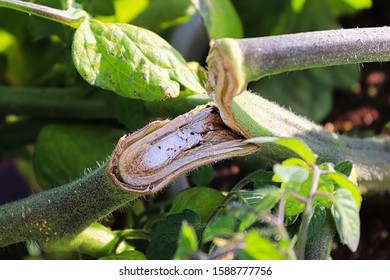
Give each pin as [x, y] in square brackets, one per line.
[203, 201]
[220, 18]
[344, 167]
[130, 61]
[262, 199]
[317, 220]
[294, 206]
[290, 174]
[260, 248]
[188, 242]
[164, 240]
[295, 145]
[347, 168]
[343, 182]
[221, 227]
[346, 216]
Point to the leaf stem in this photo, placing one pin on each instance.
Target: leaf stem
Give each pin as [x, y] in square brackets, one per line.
[279, 224]
[307, 214]
[71, 17]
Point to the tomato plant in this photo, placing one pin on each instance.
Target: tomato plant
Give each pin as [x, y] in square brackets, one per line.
[96, 75]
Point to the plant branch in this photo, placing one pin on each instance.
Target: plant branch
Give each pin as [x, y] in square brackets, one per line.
[233, 63]
[371, 156]
[71, 17]
[63, 212]
[307, 214]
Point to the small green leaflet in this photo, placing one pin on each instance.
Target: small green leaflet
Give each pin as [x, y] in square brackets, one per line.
[260, 248]
[130, 61]
[342, 181]
[163, 244]
[187, 243]
[203, 201]
[346, 216]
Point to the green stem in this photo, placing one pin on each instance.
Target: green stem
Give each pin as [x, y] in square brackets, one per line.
[233, 63]
[307, 214]
[254, 58]
[69, 17]
[319, 246]
[260, 117]
[58, 215]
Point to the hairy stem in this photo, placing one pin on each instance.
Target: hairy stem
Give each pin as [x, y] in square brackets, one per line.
[307, 214]
[260, 117]
[63, 212]
[69, 17]
[233, 63]
[319, 246]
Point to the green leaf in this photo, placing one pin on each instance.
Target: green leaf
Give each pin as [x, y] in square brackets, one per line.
[187, 244]
[220, 18]
[290, 174]
[259, 178]
[262, 199]
[202, 176]
[297, 146]
[260, 248]
[162, 14]
[317, 220]
[344, 167]
[165, 239]
[346, 216]
[294, 206]
[127, 255]
[64, 152]
[289, 220]
[222, 226]
[201, 200]
[342, 181]
[130, 61]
